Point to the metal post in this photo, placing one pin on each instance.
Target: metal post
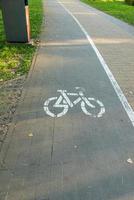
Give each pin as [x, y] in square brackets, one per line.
[16, 20]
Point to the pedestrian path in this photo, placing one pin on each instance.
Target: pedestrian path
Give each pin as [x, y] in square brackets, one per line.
[72, 137]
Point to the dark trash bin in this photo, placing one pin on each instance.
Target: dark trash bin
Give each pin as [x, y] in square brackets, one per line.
[16, 20]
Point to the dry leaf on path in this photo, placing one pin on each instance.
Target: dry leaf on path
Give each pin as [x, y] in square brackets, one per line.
[30, 135]
[129, 160]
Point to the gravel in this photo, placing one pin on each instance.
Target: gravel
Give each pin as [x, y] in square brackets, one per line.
[10, 93]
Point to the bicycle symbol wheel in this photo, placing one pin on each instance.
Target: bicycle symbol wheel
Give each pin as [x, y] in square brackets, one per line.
[50, 113]
[96, 105]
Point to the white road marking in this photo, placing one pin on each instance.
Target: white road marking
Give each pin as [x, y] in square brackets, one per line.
[64, 102]
[114, 83]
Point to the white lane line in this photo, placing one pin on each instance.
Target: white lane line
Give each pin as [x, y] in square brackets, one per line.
[114, 83]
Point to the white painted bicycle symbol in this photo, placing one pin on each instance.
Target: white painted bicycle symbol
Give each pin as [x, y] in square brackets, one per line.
[89, 106]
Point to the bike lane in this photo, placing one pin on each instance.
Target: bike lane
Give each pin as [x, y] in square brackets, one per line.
[75, 156]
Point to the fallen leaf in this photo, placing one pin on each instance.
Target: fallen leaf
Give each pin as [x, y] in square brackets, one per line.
[129, 160]
[130, 92]
[30, 135]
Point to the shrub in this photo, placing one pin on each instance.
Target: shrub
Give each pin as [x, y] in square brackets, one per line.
[130, 2]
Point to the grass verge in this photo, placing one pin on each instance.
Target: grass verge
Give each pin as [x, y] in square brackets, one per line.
[15, 59]
[115, 8]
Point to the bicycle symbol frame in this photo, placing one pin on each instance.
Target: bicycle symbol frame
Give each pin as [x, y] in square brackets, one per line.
[63, 101]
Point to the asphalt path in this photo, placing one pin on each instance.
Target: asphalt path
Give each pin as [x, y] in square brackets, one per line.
[66, 146]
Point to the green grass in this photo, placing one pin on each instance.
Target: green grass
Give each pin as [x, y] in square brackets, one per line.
[15, 59]
[115, 8]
